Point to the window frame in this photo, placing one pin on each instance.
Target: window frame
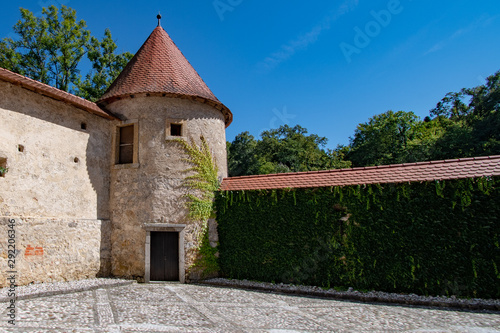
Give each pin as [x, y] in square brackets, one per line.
[168, 129]
[135, 144]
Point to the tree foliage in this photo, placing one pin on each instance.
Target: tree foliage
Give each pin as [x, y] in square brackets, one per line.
[242, 156]
[106, 66]
[452, 106]
[286, 149]
[385, 139]
[29, 55]
[463, 124]
[476, 121]
[50, 49]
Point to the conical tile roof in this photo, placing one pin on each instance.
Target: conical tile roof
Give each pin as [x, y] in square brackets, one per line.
[159, 67]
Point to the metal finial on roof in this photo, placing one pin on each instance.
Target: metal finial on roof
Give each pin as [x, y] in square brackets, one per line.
[159, 19]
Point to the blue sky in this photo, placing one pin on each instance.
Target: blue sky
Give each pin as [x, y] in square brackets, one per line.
[325, 65]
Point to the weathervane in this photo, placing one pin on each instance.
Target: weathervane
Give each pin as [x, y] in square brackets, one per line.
[159, 19]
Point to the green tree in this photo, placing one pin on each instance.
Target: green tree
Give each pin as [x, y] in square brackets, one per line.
[50, 48]
[464, 124]
[486, 134]
[452, 106]
[29, 55]
[454, 141]
[474, 128]
[387, 138]
[106, 66]
[67, 43]
[290, 149]
[286, 149]
[485, 99]
[337, 158]
[242, 158]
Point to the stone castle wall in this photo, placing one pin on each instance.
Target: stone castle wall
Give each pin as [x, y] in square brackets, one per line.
[152, 191]
[53, 249]
[57, 186]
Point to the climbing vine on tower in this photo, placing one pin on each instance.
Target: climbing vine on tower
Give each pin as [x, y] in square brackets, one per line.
[202, 183]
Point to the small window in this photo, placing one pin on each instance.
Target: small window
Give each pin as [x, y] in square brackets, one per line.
[175, 129]
[83, 126]
[126, 145]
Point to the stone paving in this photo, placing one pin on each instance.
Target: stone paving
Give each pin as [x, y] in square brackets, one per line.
[192, 308]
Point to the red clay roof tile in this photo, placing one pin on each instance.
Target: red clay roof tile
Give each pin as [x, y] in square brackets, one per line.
[54, 93]
[399, 173]
[159, 67]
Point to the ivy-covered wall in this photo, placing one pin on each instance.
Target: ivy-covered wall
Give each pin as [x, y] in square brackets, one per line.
[426, 238]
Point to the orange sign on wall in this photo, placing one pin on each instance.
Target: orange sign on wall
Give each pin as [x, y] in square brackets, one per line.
[33, 251]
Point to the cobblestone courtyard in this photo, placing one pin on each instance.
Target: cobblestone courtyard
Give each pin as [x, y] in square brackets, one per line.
[192, 308]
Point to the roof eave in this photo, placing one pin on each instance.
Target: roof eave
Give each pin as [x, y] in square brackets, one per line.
[53, 93]
[228, 116]
[483, 166]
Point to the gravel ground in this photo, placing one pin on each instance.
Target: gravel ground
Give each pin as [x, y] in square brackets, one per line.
[174, 307]
[373, 296]
[57, 288]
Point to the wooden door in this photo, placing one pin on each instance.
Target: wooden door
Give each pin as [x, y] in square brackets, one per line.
[164, 256]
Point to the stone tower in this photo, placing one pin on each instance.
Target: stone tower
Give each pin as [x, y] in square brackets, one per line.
[159, 98]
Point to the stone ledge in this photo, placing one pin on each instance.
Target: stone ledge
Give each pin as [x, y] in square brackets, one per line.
[126, 166]
[369, 297]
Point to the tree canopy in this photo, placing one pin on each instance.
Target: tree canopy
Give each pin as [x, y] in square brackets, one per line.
[106, 66]
[286, 149]
[50, 49]
[385, 139]
[463, 124]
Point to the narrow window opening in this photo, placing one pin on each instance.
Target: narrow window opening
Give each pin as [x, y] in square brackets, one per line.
[20, 148]
[175, 129]
[83, 126]
[126, 146]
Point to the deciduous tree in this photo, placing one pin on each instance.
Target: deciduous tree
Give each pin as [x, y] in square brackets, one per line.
[106, 66]
[50, 49]
[385, 139]
[286, 149]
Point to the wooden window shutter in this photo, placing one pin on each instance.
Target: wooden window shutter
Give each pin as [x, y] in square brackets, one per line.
[126, 153]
